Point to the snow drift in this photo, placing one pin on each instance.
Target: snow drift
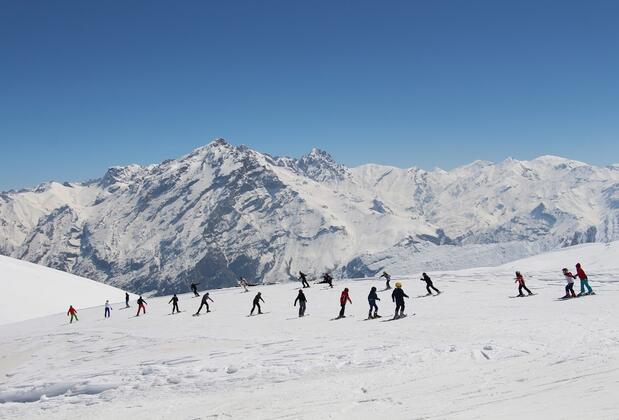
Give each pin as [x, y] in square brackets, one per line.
[31, 291]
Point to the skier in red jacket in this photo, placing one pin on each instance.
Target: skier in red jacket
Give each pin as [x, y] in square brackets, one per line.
[521, 285]
[344, 298]
[584, 281]
[73, 314]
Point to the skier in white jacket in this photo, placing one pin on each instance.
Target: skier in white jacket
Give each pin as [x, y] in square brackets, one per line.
[108, 309]
[569, 287]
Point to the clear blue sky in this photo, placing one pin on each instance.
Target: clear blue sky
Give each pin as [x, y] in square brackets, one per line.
[85, 85]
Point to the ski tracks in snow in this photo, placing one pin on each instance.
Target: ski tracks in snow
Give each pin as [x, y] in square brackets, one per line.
[487, 356]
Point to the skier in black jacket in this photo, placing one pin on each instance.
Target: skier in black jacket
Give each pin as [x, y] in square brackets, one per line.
[141, 306]
[398, 296]
[372, 298]
[302, 301]
[327, 279]
[194, 289]
[174, 302]
[204, 302]
[257, 300]
[126, 300]
[303, 278]
[429, 284]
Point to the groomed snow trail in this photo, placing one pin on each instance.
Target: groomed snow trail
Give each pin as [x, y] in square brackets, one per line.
[471, 352]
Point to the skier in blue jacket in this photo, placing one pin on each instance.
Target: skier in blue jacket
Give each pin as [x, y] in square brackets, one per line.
[372, 298]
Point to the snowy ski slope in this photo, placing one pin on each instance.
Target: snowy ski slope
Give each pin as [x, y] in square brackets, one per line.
[31, 291]
[471, 352]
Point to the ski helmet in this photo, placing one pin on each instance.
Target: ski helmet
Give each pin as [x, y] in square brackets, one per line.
[398, 285]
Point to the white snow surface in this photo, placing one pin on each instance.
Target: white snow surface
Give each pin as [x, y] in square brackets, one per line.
[471, 352]
[31, 291]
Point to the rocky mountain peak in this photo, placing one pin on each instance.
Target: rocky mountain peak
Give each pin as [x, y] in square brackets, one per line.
[321, 167]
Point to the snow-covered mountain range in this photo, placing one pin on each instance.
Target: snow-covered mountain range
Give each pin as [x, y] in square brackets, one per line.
[224, 211]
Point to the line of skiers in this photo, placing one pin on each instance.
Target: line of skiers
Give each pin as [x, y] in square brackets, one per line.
[397, 295]
[585, 288]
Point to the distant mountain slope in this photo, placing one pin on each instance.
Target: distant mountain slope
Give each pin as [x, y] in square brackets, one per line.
[224, 211]
[32, 291]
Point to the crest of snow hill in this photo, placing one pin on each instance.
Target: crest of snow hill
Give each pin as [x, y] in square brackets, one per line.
[224, 211]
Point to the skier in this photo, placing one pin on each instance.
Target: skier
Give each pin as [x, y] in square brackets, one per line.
[398, 296]
[388, 278]
[372, 298]
[302, 302]
[257, 300]
[174, 302]
[429, 284]
[344, 298]
[204, 302]
[108, 308]
[243, 283]
[569, 287]
[584, 281]
[303, 278]
[520, 280]
[194, 289]
[73, 314]
[141, 305]
[327, 279]
[126, 300]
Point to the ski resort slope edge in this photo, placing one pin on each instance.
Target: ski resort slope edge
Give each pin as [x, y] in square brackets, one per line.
[32, 291]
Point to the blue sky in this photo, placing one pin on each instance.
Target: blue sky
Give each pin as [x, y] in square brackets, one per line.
[87, 85]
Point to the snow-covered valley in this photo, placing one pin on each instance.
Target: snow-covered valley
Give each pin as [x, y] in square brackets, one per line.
[471, 352]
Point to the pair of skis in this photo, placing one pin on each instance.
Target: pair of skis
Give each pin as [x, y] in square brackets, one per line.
[390, 319]
[522, 296]
[397, 318]
[576, 297]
